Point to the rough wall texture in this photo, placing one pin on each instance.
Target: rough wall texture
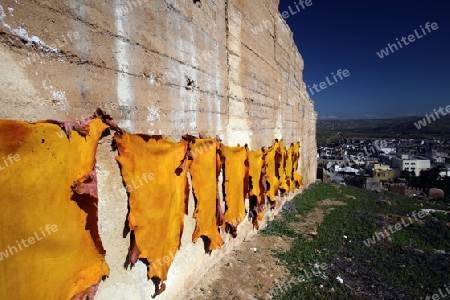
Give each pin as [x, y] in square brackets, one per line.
[158, 67]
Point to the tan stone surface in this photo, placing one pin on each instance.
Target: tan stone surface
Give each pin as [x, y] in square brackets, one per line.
[135, 60]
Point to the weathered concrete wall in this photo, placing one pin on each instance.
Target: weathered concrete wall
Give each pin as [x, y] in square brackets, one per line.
[158, 67]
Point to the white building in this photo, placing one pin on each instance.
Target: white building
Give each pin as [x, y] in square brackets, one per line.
[388, 150]
[445, 173]
[406, 163]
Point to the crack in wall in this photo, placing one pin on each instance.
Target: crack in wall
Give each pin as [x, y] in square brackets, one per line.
[103, 31]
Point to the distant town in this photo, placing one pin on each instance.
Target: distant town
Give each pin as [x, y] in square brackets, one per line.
[411, 167]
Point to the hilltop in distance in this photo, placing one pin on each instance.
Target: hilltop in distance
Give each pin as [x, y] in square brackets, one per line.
[407, 127]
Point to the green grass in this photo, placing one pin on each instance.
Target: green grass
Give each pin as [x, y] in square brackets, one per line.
[406, 267]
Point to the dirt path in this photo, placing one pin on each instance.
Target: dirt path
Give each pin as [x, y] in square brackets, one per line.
[251, 271]
[308, 226]
[247, 272]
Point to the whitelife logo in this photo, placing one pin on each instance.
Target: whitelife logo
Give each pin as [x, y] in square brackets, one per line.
[411, 38]
[422, 123]
[439, 296]
[146, 177]
[323, 85]
[9, 161]
[34, 57]
[266, 24]
[397, 227]
[31, 240]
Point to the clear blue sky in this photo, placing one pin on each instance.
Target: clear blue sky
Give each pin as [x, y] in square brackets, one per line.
[347, 34]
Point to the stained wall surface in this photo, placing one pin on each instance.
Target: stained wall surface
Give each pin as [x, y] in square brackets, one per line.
[170, 67]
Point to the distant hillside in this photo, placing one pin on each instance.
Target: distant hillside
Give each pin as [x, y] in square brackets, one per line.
[399, 127]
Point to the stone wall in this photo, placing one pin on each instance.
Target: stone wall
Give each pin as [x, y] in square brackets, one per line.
[157, 67]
